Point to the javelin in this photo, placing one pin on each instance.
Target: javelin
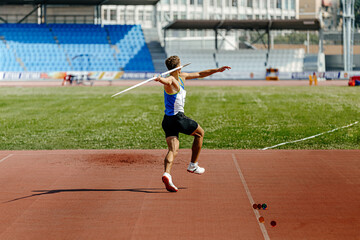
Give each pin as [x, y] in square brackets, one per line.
[150, 79]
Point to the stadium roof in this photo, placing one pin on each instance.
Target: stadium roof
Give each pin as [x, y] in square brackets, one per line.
[80, 2]
[273, 24]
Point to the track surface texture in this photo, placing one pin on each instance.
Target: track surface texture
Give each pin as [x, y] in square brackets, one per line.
[118, 194]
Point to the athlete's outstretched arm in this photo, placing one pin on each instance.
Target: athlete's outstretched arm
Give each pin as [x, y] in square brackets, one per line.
[166, 81]
[204, 73]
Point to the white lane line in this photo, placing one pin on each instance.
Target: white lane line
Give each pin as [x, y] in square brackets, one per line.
[3, 159]
[303, 139]
[251, 200]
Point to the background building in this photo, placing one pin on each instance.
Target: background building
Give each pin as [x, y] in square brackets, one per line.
[166, 11]
[169, 10]
[328, 10]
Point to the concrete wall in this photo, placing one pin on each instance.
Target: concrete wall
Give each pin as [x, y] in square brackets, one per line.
[55, 14]
[14, 14]
[328, 49]
[74, 14]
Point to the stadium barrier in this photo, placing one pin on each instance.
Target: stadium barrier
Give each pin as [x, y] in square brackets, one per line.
[231, 75]
[41, 76]
[128, 75]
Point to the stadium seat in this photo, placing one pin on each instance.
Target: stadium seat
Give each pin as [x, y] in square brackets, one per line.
[78, 47]
[245, 61]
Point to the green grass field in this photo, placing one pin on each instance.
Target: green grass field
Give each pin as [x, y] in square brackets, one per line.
[232, 117]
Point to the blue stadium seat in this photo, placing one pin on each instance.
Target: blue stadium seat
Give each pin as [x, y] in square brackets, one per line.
[51, 47]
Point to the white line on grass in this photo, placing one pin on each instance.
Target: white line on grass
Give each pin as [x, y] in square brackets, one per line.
[248, 193]
[3, 159]
[303, 139]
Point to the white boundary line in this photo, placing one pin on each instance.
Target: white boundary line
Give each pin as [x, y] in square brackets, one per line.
[3, 159]
[251, 200]
[303, 139]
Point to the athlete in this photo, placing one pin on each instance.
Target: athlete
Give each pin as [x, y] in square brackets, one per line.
[175, 121]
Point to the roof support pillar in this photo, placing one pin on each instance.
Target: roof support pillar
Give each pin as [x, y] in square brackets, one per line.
[165, 40]
[155, 22]
[216, 39]
[43, 14]
[348, 33]
[321, 41]
[268, 48]
[216, 33]
[97, 19]
[268, 45]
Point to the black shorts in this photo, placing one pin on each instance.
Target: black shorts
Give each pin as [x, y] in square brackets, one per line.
[172, 125]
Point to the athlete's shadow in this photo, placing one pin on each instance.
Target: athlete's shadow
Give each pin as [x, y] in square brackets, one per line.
[136, 190]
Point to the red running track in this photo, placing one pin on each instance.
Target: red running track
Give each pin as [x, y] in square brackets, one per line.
[197, 82]
[118, 194]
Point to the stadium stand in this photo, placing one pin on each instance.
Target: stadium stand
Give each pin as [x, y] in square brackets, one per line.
[254, 60]
[86, 46]
[73, 47]
[311, 63]
[131, 50]
[8, 60]
[199, 59]
[289, 60]
[157, 52]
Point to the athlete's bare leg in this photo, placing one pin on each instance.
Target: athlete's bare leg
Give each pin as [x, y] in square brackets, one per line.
[197, 144]
[173, 146]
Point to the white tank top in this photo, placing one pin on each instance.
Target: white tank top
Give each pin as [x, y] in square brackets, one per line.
[174, 103]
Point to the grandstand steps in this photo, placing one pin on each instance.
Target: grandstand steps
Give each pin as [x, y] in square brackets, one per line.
[54, 36]
[4, 41]
[66, 55]
[19, 60]
[116, 49]
[113, 46]
[21, 63]
[14, 52]
[2, 38]
[108, 36]
[68, 60]
[310, 63]
[59, 46]
[157, 52]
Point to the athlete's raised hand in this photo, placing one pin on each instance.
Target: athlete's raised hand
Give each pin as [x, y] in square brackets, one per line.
[223, 68]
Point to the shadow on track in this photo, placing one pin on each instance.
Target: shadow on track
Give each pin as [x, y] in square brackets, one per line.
[46, 192]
